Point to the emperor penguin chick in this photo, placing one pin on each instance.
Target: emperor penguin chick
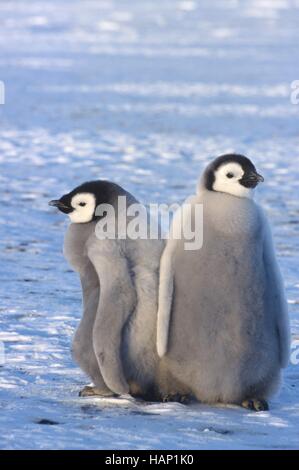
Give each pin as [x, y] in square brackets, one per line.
[223, 328]
[115, 343]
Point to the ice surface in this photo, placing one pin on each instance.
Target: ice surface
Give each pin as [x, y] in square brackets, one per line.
[143, 93]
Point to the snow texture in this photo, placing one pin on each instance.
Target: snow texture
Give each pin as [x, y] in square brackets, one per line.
[144, 93]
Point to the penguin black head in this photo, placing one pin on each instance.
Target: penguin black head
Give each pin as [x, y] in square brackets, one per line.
[81, 203]
[232, 174]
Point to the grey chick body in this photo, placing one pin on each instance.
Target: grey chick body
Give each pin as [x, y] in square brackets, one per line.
[224, 331]
[115, 343]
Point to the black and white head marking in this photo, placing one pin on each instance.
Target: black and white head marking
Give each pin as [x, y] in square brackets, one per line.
[81, 203]
[232, 174]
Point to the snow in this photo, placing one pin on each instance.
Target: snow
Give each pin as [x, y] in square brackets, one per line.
[143, 93]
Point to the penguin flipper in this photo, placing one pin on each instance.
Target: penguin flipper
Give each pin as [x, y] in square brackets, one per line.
[166, 282]
[277, 294]
[82, 347]
[117, 302]
[165, 300]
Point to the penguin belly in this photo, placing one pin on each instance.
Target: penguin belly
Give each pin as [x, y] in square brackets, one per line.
[222, 344]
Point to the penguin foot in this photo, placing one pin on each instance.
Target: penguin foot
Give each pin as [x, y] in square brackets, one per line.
[177, 397]
[90, 391]
[255, 405]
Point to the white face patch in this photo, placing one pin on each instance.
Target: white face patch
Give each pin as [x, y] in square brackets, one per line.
[84, 205]
[227, 180]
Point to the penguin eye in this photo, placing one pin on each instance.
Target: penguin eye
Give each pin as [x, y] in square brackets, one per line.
[82, 204]
[230, 175]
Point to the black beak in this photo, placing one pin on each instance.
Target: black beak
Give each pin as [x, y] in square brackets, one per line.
[251, 179]
[61, 206]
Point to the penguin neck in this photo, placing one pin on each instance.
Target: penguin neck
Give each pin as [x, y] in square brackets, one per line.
[75, 243]
[229, 214]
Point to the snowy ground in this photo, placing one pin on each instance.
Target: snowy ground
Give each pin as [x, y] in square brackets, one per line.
[144, 93]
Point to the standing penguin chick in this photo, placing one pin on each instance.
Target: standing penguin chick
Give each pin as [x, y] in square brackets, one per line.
[222, 322]
[115, 341]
